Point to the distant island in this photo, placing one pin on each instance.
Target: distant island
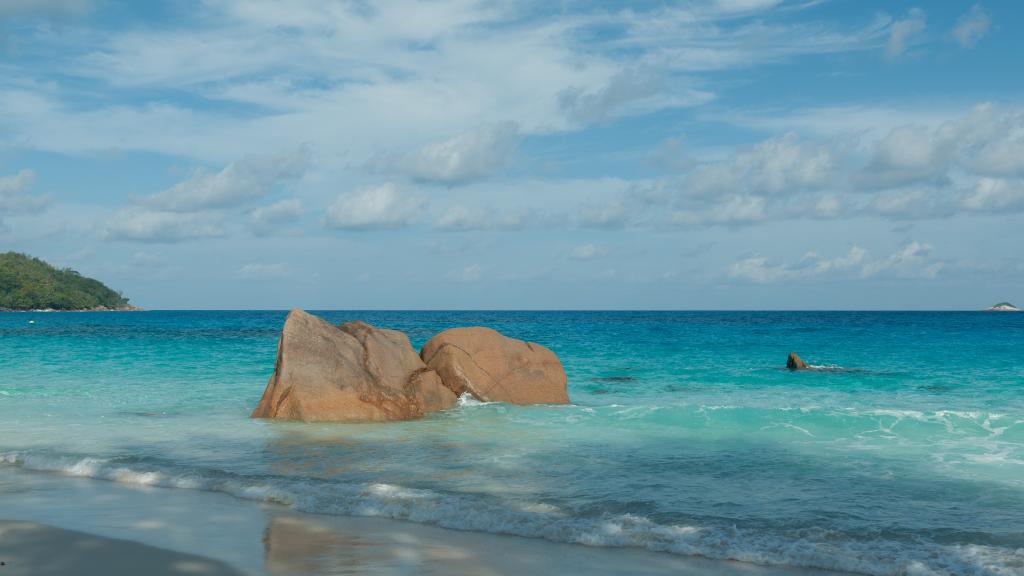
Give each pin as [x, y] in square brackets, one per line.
[1003, 307]
[28, 283]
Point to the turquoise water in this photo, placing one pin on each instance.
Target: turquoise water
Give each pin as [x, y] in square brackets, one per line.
[685, 434]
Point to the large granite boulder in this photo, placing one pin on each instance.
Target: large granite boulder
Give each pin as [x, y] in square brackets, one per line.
[494, 368]
[793, 362]
[351, 373]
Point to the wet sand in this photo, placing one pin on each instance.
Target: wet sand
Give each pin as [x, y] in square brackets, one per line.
[128, 529]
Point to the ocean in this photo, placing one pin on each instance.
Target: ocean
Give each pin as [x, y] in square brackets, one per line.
[686, 434]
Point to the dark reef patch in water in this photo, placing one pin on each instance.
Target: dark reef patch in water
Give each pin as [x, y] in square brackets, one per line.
[614, 379]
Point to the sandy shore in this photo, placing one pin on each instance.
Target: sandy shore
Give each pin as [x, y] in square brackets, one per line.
[109, 528]
[33, 549]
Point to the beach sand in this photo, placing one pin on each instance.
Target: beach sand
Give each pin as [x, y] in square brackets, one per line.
[29, 549]
[107, 528]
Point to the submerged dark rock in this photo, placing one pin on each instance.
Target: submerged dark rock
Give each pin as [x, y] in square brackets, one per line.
[614, 379]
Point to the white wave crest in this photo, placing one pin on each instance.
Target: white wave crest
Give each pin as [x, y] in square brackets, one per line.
[805, 548]
[467, 400]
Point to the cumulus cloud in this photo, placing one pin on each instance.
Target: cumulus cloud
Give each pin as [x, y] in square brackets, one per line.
[910, 203]
[910, 154]
[995, 195]
[587, 252]
[784, 164]
[972, 27]
[14, 196]
[268, 220]
[248, 179]
[610, 215]
[903, 32]
[828, 207]
[734, 210]
[140, 224]
[973, 163]
[374, 208]
[470, 156]
[912, 260]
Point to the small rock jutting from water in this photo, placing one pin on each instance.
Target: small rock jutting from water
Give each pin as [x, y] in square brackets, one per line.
[795, 363]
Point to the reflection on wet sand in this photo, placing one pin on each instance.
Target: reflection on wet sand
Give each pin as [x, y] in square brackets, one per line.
[307, 545]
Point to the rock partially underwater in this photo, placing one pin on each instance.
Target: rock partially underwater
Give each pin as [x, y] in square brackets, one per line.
[348, 373]
[793, 362]
[495, 368]
[358, 373]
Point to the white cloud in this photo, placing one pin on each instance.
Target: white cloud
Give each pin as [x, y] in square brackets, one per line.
[912, 260]
[995, 195]
[781, 165]
[248, 179]
[734, 210]
[629, 92]
[268, 220]
[261, 271]
[757, 269]
[389, 73]
[469, 156]
[587, 252]
[910, 154]
[139, 224]
[380, 207]
[907, 172]
[908, 203]
[828, 207]
[855, 257]
[903, 32]
[972, 27]
[14, 195]
[612, 215]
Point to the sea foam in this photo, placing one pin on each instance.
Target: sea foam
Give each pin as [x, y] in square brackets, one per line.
[827, 549]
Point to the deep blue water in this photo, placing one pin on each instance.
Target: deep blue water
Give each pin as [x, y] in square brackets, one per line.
[685, 435]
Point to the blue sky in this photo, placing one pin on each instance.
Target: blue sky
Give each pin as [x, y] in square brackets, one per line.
[729, 154]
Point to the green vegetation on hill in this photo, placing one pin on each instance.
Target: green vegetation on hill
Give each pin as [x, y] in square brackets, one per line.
[28, 283]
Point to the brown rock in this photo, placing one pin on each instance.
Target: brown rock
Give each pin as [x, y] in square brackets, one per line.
[495, 368]
[351, 373]
[795, 363]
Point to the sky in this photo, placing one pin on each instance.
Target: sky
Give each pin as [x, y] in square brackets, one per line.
[464, 154]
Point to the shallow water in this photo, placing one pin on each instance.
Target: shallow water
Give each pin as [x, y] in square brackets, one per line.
[686, 434]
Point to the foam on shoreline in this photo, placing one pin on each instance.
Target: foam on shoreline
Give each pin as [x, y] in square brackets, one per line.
[821, 549]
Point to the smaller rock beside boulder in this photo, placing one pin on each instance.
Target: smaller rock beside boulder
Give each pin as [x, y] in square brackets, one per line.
[495, 368]
[795, 363]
